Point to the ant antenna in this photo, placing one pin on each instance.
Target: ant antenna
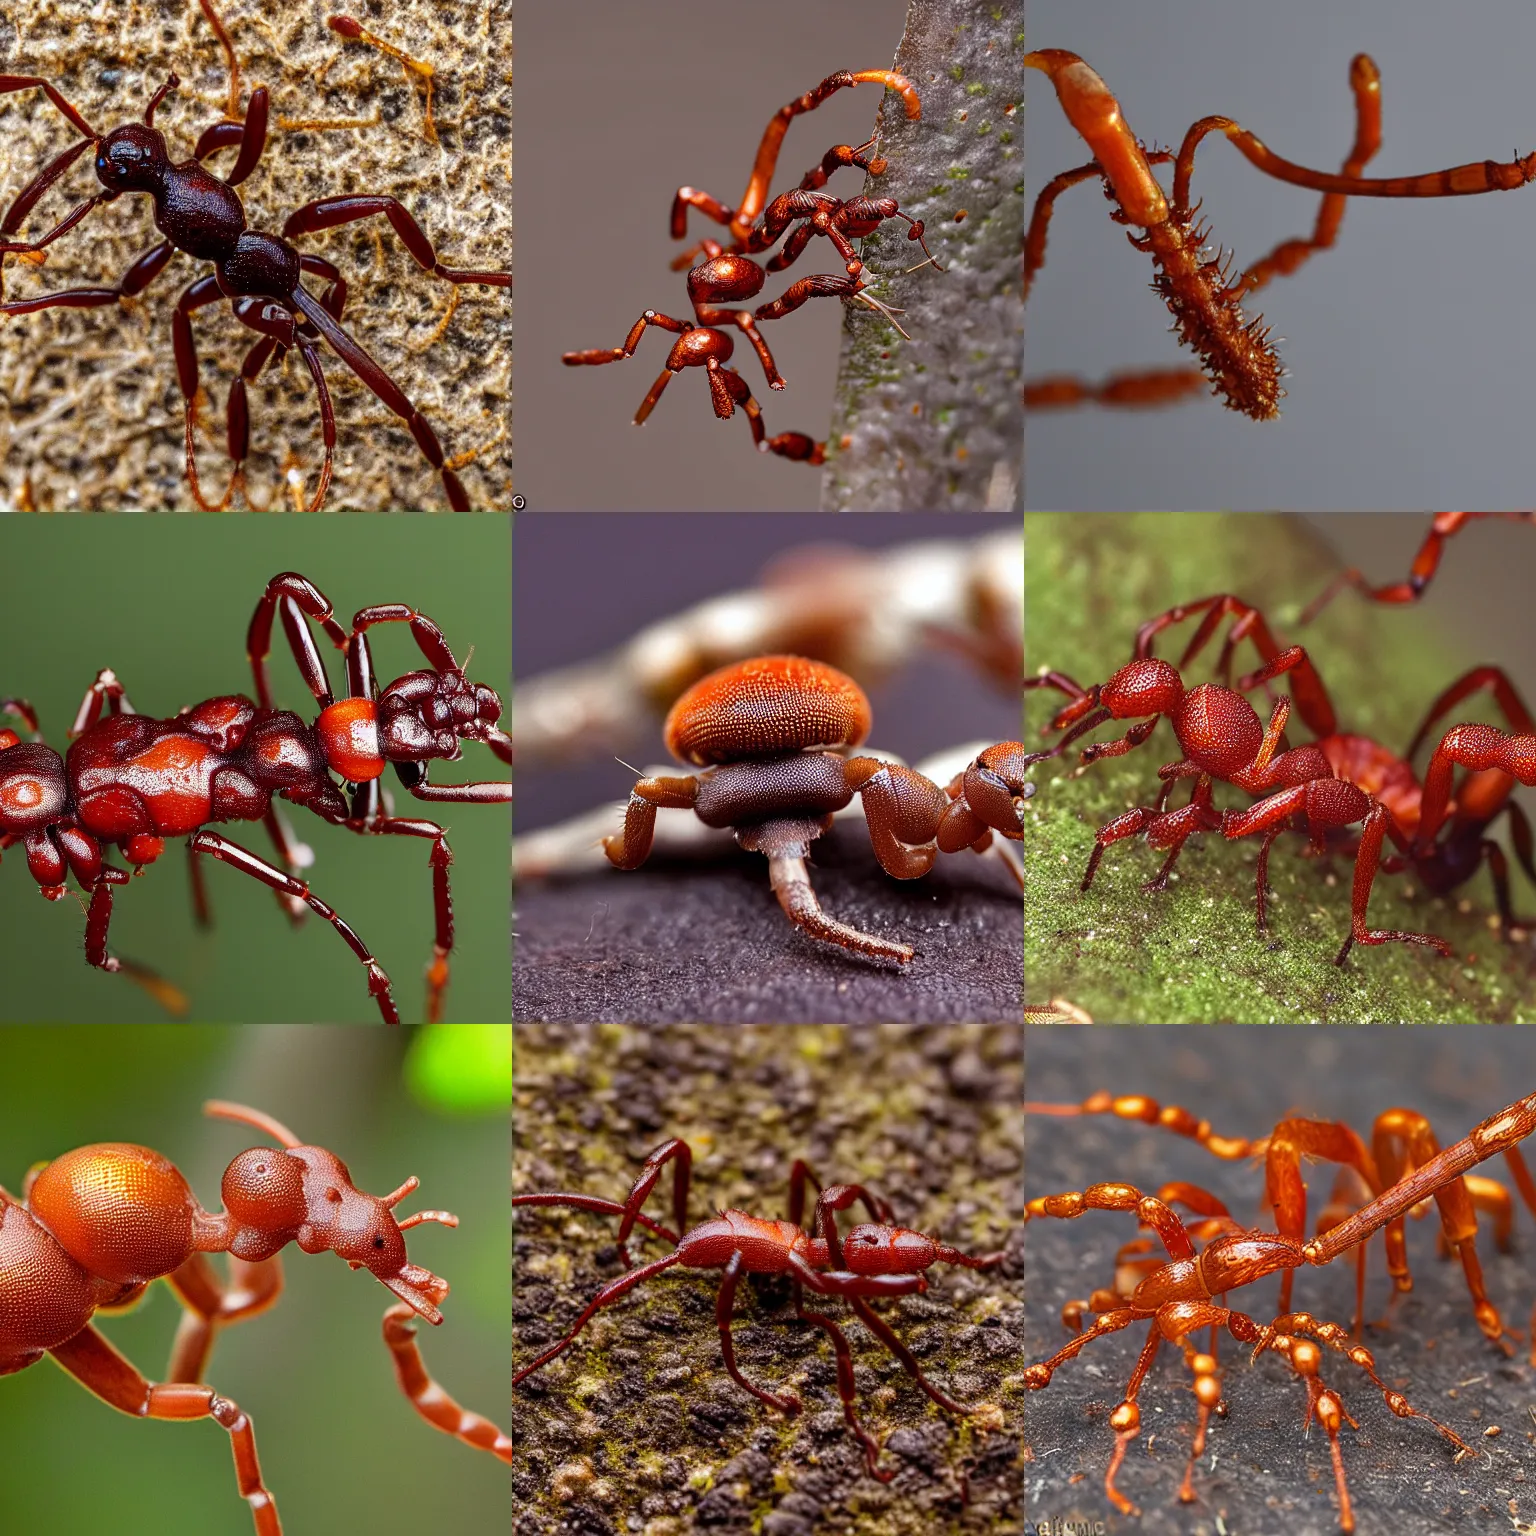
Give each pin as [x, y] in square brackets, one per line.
[442, 1218]
[159, 96]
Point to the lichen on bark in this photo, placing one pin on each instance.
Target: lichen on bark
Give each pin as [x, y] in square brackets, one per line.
[934, 422]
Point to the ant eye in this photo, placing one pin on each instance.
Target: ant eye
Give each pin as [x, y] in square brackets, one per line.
[378, 1242]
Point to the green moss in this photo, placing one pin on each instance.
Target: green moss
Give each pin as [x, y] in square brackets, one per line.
[1192, 953]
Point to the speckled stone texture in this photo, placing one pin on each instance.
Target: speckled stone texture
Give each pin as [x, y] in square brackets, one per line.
[935, 422]
[90, 412]
[637, 1427]
[1262, 1471]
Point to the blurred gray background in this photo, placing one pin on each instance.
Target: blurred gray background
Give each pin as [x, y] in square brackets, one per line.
[627, 102]
[1407, 342]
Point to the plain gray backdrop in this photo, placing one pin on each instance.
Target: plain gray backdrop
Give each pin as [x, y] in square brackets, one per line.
[1408, 343]
[618, 105]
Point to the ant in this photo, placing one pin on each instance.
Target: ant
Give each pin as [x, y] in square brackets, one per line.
[728, 275]
[769, 734]
[261, 274]
[874, 1259]
[131, 781]
[1320, 788]
[1243, 369]
[96, 1226]
[1177, 1295]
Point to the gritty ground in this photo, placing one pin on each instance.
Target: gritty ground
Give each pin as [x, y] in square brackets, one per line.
[90, 412]
[637, 1427]
[1263, 1472]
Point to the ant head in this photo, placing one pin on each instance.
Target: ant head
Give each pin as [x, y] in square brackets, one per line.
[876, 1250]
[306, 1195]
[424, 715]
[131, 159]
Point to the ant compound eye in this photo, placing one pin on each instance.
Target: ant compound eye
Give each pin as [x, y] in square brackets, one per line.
[264, 1188]
[378, 1242]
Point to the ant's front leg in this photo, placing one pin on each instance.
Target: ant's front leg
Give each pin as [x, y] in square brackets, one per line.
[135, 280]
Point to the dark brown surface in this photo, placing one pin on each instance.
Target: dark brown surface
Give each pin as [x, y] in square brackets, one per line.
[1261, 1472]
[638, 1424]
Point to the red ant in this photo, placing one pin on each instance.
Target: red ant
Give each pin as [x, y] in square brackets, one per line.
[1178, 1295]
[876, 1258]
[728, 275]
[96, 1226]
[130, 781]
[1202, 295]
[260, 273]
[769, 733]
[1320, 788]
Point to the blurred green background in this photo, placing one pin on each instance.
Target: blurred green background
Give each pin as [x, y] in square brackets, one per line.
[341, 1448]
[165, 602]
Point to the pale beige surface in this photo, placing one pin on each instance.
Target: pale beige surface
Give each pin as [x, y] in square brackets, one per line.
[90, 414]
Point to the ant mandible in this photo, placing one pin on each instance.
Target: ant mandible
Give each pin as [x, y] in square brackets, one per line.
[130, 781]
[260, 274]
[876, 1258]
[96, 1226]
[1179, 1295]
[728, 275]
[769, 734]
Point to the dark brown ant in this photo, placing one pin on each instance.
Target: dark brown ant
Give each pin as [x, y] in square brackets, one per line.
[261, 274]
[130, 781]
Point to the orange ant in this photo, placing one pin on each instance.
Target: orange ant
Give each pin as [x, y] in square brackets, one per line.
[1178, 1295]
[96, 1226]
[1237, 360]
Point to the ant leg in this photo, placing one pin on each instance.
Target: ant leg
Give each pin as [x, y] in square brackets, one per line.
[424, 1394]
[1365, 82]
[250, 135]
[598, 1206]
[767, 159]
[300, 598]
[845, 1388]
[1148, 390]
[441, 858]
[628, 849]
[710, 314]
[725, 1298]
[230, 58]
[101, 1370]
[210, 843]
[680, 1155]
[9, 83]
[903, 811]
[351, 352]
[331, 212]
[196, 296]
[1476, 747]
[98, 920]
[30, 194]
[210, 1303]
[728, 385]
[106, 691]
[1516, 715]
[135, 280]
[605, 1297]
[800, 1174]
[1366, 862]
[597, 356]
[30, 247]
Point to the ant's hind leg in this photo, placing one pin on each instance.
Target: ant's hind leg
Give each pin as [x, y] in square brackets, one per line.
[330, 212]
